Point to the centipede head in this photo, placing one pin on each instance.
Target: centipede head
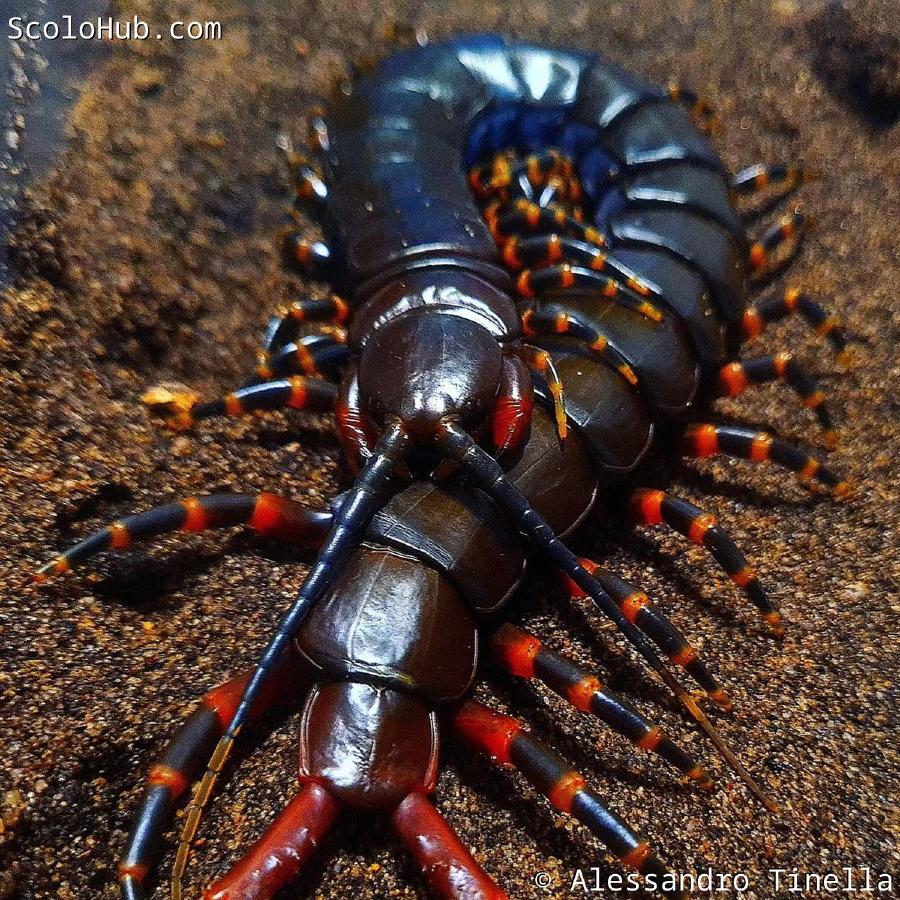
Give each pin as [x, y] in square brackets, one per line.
[423, 369]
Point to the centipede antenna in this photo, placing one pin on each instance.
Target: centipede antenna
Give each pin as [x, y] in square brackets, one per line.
[697, 714]
[490, 477]
[358, 506]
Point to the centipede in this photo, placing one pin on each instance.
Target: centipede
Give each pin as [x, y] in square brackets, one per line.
[543, 280]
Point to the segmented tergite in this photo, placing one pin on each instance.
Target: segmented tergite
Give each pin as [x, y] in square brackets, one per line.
[546, 275]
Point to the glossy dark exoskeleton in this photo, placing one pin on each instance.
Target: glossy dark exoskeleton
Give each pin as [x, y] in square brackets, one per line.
[637, 313]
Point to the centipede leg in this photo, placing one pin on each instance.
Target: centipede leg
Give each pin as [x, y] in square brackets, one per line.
[543, 250]
[701, 111]
[310, 188]
[450, 868]
[700, 440]
[525, 656]
[651, 507]
[306, 173]
[503, 175]
[508, 220]
[788, 233]
[267, 514]
[638, 609]
[554, 319]
[759, 178]
[295, 392]
[505, 741]
[795, 302]
[285, 325]
[288, 843]
[534, 282]
[321, 355]
[735, 377]
[184, 758]
[314, 259]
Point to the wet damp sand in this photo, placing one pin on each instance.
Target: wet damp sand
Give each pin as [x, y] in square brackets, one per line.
[148, 256]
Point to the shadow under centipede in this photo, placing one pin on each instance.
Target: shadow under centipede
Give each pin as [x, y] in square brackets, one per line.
[145, 582]
[250, 544]
[753, 212]
[77, 510]
[536, 598]
[112, 767]
[745, 494]
[643, 549]
[766, 278]
[623, 673]
[320, 440]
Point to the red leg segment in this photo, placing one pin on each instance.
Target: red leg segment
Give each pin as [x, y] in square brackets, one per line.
[450, 868]
[276, 859]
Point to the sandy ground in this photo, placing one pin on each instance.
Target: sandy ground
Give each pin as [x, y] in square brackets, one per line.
[148, 255]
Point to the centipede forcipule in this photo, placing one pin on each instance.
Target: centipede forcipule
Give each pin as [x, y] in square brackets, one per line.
[545, 279]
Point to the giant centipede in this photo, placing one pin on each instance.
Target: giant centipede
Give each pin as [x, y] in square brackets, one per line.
[542, 278]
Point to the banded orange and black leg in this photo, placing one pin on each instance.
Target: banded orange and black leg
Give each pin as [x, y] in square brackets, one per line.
[504, 740]
[533, 282]
[542, 362]
[700, 109]
[736, 377]
[641, 612]
[314, 259]
[285, 325]
[793, 302]
[553, 319]
[526, 656]
[266, 513]
[543, 250]
[322, 355]
[781, 240]
[526, 217]
[653, 507]
[779, 177]
[185, 757]
[184, 409]
[703, 439]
